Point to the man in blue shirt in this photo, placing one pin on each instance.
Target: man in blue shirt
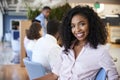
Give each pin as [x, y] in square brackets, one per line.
[43, 18]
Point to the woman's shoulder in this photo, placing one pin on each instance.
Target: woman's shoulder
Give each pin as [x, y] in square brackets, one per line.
[103, 47]
[100, 50]
[103, 50]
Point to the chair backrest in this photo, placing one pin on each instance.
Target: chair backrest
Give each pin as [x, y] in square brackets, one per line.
[34, 69]
[101, 75]
[29, 54]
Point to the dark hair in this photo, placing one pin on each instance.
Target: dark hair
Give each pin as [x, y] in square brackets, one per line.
[97, 31]
[33, 32]
[46, 7]
[35, 20]
[53, 27]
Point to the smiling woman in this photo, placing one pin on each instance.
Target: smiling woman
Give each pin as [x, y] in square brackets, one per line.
[84, 52]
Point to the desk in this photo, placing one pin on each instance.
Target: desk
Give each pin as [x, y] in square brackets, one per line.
[115, 45]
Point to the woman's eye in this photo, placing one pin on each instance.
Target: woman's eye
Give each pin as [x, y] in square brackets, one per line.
[72, 26]
[82, 24]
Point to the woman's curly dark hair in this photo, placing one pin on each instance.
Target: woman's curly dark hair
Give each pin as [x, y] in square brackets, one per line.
[97, 31]
[33, 32]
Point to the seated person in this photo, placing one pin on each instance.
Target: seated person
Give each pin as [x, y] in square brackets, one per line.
[32, 35]
[46, 50]
[83, 55]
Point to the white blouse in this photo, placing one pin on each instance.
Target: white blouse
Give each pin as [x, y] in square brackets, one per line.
[86, 65]
[29, 44]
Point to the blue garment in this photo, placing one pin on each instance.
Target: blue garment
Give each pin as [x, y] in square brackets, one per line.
[42, 19]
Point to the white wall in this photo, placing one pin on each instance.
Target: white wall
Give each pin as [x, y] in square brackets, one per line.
[111, 9]
[1, 25]
[93, 1]
[108, 8]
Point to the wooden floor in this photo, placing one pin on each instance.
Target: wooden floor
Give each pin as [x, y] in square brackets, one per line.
[13, 72]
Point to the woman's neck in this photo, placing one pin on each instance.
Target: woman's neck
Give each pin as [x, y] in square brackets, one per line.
[81, 43]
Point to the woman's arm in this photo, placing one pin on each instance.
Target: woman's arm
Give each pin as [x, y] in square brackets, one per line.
[107, 63]
[50, 76]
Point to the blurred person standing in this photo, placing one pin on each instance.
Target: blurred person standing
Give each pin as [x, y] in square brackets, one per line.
[43, 18]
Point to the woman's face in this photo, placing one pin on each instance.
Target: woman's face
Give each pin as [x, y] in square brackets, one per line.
[79, 27]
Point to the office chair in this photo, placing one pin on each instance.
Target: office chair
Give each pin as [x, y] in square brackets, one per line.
[34, 70]
[101, 75]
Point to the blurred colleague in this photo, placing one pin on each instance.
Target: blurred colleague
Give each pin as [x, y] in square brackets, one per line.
[46, 51]
[32, 35]
[43, 18]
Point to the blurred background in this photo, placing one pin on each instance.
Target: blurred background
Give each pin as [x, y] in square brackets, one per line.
[16, 17]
